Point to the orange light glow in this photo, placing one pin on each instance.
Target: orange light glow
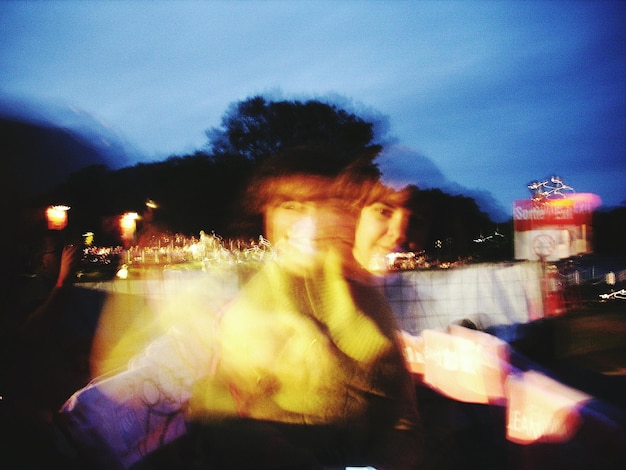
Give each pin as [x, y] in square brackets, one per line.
[128, 225]
[57, 217]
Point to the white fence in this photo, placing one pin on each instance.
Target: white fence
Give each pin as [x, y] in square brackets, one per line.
[486, 294]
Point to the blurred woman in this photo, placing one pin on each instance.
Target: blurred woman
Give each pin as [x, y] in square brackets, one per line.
[382, 226]
[311, 374]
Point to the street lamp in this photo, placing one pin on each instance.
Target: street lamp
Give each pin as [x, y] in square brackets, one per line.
[57, 217]
[128, 225]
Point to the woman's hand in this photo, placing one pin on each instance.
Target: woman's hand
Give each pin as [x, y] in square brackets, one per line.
[70, 258]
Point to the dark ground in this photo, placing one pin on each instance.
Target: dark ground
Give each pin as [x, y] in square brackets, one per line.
[584, 349]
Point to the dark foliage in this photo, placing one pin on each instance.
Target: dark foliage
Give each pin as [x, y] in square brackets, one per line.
[36, 157]
[609, 229]
[256, 129]
[446, 226]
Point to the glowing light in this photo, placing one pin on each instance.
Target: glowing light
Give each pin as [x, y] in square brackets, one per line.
[57, 217]
[123, 272]
[128, 225]
[552, 188]
[88, 238]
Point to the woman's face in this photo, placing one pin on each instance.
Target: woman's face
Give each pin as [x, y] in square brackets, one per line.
[381, 229]
[290, 219]
[310, 222]
[307, 217]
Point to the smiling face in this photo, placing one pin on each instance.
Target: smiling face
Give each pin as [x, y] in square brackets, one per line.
[381, 229]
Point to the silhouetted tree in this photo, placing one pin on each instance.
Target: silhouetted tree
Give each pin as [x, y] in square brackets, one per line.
[445, 226]
[256, 129]
[609, 229]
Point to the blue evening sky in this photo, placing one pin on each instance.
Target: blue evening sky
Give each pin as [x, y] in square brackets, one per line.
[470, 95]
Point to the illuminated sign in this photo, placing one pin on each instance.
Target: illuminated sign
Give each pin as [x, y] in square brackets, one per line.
[540, 409]
[553, 229]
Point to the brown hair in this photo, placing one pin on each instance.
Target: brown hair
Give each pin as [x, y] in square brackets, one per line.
[307, 173]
